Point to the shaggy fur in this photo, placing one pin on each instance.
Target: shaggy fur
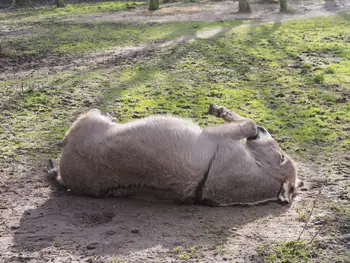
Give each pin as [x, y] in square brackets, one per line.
[176, 158]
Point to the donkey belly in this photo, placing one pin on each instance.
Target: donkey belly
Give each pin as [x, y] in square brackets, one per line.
[165, 154]
[166, 161]
[159, 155]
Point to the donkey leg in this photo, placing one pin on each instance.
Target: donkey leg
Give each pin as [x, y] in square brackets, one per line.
[236, 126]
[235, 130]
[222, 112]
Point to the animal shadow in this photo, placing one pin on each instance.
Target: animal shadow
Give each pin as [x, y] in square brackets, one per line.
[84, 225]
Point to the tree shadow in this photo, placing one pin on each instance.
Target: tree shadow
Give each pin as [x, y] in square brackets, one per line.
[176, 49]
[91, 226]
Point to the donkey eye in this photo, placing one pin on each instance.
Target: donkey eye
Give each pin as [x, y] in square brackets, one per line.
[282, 159]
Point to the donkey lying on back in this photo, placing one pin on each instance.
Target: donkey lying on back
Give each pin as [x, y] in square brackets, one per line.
[176, 158]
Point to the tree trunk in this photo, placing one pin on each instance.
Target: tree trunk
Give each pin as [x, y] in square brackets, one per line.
[283, 6]
[2, 53]
[244, 6]
[153, 5]
[22, 2]
[330, 4]
[59, 3]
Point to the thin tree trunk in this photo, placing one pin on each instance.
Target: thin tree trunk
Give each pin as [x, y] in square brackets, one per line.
[330, 4]
[59, 3]
[153, 5]
[283, 6]
[244, 6]
[22, 2]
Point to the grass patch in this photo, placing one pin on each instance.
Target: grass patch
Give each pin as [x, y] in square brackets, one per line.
[249, 69]
[184, 253]
[63, 38]
[257, 71]
[45, 12]
[287, 252]
[318, 79]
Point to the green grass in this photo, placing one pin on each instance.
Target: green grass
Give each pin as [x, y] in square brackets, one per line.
[248, 70]
[288, 252]
[44, 12]
[184, 253]
[267, 72]
[68, 38]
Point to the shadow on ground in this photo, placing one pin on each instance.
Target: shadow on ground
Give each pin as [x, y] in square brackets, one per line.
[90, 226]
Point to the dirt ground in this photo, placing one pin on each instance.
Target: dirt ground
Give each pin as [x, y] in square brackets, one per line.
[42, 223]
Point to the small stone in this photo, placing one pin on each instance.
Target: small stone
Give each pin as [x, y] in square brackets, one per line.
[233, 231]
[320, 222]
[91, 246]
[177, 243]
[110, 233]
[322, 245]
[135, 231]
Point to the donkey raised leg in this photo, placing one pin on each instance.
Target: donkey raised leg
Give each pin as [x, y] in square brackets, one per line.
[236, 126]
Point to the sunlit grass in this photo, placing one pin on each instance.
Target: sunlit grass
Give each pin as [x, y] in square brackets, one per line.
[257, 71]
[29, 13]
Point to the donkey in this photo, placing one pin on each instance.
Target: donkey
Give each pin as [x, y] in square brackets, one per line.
[237, 162]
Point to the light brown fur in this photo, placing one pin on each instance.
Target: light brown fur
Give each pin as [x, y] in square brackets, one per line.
[175, 157]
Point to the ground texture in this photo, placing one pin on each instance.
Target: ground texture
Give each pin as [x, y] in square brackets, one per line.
[289, 72]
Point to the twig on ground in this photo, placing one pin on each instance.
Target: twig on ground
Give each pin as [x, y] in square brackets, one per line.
[42, 215]
[311, 212]
[313, 238]
[71, 257]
